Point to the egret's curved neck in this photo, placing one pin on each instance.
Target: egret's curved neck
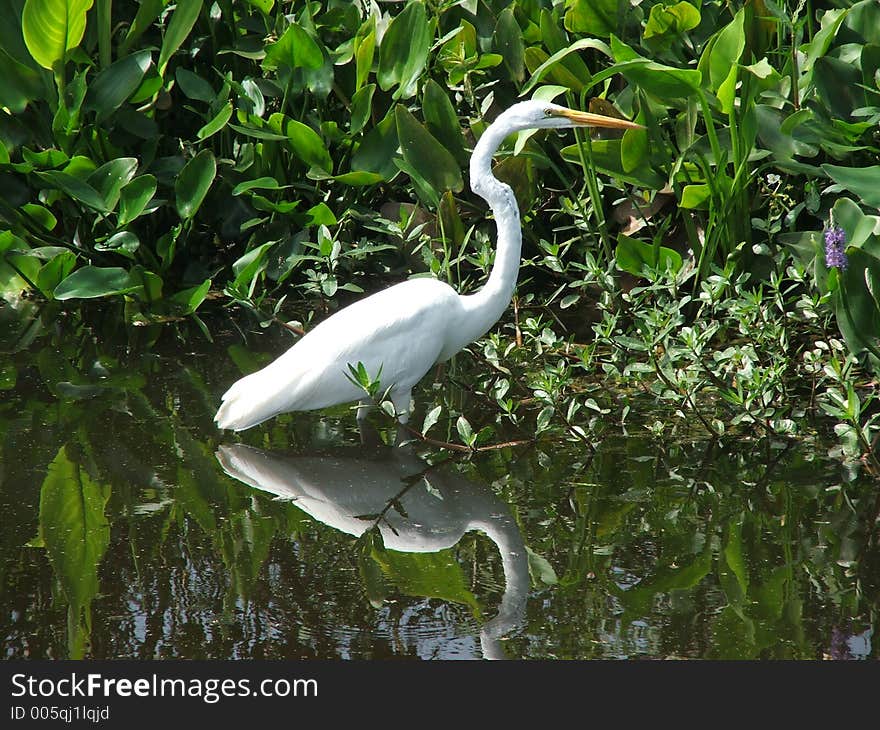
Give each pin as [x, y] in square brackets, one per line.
[504, 532]
[484, 308]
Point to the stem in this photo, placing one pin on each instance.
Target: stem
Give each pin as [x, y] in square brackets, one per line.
[103, 8]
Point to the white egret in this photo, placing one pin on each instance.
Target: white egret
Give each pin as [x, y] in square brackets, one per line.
[401, 332]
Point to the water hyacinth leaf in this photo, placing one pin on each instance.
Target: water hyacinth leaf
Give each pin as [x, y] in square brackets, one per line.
[656, 79]
[113, 86]
[636, 257]
[110, 177]
[295, 49]
[40, 215]
[858, 227]
[260, 183]
[193, 183]
[863, 182]
[304, 141]
[425, 154]
[365, 50]
[669, 21]
[726, 50]
[75, 188]
[508, 42]
[122, 242]
[634, 149]
[217, 122]
[359, 178]
[51, 28]
[377, 151]
[361, 106]
[54, 271]
[404, 50]
[134, 196]
[184, 17]
[593, 17]
[194, 86]
[190, 299]
[696, 196]
[73, 527]
[247, 267]
[90, 282]
[147, 12]
[442, 121]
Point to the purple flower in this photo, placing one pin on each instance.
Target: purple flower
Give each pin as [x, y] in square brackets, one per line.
[835, 243]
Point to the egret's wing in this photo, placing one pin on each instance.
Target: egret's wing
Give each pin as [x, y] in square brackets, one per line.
[397, 334]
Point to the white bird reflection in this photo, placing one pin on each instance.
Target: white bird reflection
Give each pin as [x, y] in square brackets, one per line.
[424, 509]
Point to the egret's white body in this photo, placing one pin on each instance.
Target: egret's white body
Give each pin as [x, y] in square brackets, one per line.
[400, 333]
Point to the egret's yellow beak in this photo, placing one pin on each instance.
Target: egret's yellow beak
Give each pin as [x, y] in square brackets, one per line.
[587, 119]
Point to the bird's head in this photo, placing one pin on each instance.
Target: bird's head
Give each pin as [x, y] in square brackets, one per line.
[546, 115]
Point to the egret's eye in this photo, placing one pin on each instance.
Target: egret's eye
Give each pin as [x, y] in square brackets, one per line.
[548, 112]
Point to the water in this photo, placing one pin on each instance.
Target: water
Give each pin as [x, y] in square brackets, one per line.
[132, 528]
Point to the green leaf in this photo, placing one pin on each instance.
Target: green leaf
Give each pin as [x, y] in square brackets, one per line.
[193, 183]
[147, 12]
[432, 418]
[431, 575]
[463, 426]
[426, 155]
[696, 196]
[73, 527]
[194, 86]
[863, 182]
[442, 121]
[664, 82]
[593, 17]
[361, 106]
[122, 242]
[53, 27]
[260, 183]
[671, 20]
[190, 299]
[307, 145]
[90, 282]
[733, 554]
[639, 258]
[295, 49]
[75, 188]
[726, 50]
[54, 271]
[377, 151]
[509, 44]
[217, 123]
[133, 198]
[365, 50]
[116, 83]
[404, 50]
[179, 27]
[110, 177]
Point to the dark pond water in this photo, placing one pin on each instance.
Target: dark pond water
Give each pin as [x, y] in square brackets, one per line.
[132, 528]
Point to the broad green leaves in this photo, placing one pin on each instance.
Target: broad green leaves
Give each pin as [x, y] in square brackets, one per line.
[179, 27]
[115, 84]
[193, 183]
[51, 28]
[404, 50]
[426, 157]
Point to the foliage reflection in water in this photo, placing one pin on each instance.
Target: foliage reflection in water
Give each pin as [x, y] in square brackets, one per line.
[124, 536]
